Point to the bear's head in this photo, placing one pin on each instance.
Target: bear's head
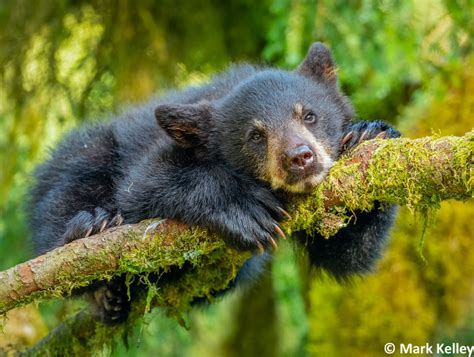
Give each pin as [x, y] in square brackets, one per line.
[281, 127]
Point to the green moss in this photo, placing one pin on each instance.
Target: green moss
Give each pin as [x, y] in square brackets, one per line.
[210, 270]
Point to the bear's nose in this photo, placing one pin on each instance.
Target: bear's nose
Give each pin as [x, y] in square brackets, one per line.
[299, 157]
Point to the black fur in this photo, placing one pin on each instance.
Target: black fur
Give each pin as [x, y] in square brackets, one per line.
[203, 164]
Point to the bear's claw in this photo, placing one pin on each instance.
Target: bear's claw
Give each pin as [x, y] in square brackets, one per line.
[366, 130]
[346, 138]
[363, 136]
[260, 248]
[274, 244]
[279, 231]
[85, 224]
[283, 212]
[380, 135]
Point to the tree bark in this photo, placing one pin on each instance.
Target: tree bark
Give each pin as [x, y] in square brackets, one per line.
[417, 173]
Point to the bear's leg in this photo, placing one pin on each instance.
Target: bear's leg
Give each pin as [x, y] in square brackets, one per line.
[109, 298]
[211, 196]
[355, 248]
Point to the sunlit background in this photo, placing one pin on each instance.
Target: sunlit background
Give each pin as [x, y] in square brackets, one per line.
[64, 63]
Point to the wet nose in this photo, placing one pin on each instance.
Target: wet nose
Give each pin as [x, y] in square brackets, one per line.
[300, 157]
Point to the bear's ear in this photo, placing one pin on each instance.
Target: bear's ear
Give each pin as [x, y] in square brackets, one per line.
[318, 65]
[187, 124]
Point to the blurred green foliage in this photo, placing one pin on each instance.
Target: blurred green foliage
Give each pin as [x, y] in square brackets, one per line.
[411, 63]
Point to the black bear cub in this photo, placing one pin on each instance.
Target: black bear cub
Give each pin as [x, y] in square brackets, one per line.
[225, 156]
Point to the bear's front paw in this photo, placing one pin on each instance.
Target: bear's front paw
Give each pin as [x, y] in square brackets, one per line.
[255, 224]
[85, 224]
[367, 130]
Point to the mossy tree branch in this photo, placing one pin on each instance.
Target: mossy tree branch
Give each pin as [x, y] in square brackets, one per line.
[416, 173]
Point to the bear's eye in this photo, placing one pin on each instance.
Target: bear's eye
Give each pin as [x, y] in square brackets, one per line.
[256, 136]
[310, 118]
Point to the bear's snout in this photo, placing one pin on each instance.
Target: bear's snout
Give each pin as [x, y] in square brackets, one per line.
[300, 157]
[300, 163]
